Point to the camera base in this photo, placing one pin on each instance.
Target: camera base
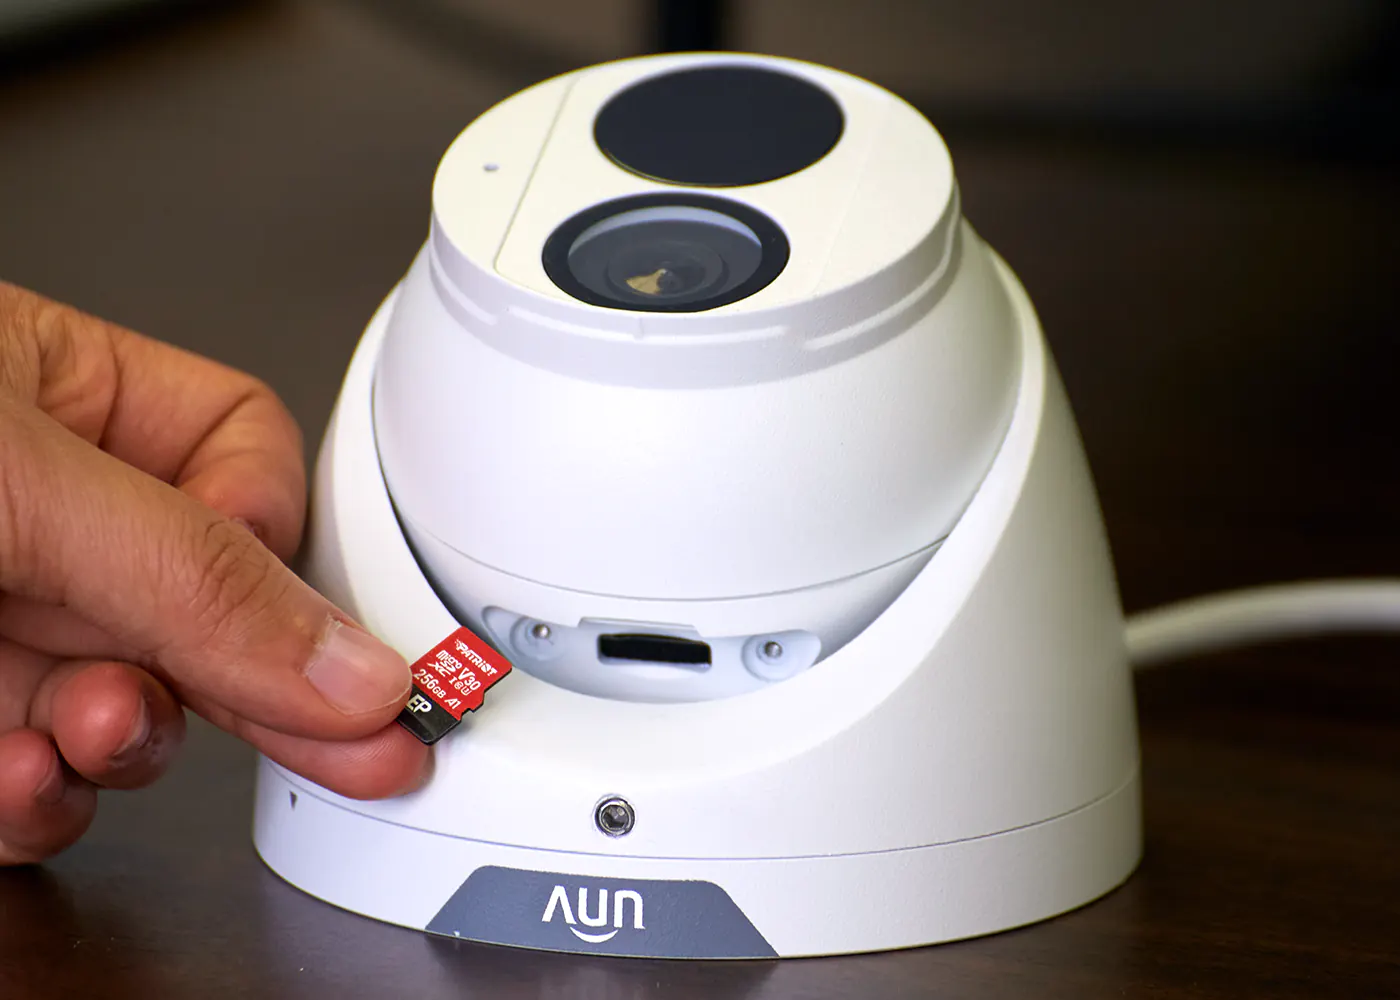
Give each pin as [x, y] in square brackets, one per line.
[692, 907]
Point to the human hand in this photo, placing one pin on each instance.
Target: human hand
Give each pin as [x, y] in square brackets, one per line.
[147, 498]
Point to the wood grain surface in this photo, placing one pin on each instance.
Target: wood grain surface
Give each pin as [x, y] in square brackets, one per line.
[249, 185]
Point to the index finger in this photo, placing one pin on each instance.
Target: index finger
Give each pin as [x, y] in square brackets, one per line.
[218, 434]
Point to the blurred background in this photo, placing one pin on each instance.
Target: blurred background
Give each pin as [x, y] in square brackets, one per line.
[1201, 198]
[1304, 73]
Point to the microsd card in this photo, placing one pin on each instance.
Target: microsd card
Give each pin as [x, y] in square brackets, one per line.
[450, 679]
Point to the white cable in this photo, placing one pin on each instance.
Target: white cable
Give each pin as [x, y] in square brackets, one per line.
[1282, 611]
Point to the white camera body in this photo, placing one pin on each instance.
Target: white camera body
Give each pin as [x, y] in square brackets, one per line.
[787, 531]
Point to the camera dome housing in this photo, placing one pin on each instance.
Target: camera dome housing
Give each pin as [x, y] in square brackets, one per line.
[770, 454]
[818, 638]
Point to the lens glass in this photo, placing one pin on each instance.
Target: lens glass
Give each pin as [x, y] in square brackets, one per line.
[665, 255]
[674, 255]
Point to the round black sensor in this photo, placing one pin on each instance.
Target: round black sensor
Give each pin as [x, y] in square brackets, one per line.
[719, 126]
[665, 253]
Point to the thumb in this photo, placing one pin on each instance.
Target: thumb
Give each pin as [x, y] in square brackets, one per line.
[201, 602]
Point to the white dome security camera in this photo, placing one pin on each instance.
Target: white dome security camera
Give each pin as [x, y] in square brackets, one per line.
[706, 408]
[736, 419]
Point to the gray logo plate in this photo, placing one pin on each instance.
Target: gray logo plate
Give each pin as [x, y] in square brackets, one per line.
[604, 916]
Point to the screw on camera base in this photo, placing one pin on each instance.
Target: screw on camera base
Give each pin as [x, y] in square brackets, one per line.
[614, 816]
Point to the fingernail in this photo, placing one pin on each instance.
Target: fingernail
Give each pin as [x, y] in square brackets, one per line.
[136, 739]
[356, 672]
[51, 789]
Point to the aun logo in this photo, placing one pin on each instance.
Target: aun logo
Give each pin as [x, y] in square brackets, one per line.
[689, 919]
[559, 902]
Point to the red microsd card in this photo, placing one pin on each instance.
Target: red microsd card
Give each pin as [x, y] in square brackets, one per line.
[451, 678]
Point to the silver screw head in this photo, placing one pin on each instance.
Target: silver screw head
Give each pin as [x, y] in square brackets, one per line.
[614, 816]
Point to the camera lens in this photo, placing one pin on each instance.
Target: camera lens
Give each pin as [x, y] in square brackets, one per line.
[665, 253]
[672, 255]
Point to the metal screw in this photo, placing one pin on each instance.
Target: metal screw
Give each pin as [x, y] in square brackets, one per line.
[772, 649]
[540, 631]
[614, 816]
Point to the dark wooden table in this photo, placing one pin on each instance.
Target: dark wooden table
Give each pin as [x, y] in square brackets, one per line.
[1227, 325]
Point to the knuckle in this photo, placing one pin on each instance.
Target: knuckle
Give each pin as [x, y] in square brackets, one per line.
[12, 491]
[21, 315]
[234, 583]
[19, 547]
[57, 358]
[262, 393]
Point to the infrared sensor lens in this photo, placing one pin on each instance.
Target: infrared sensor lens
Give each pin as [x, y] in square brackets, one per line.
[719, 126]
